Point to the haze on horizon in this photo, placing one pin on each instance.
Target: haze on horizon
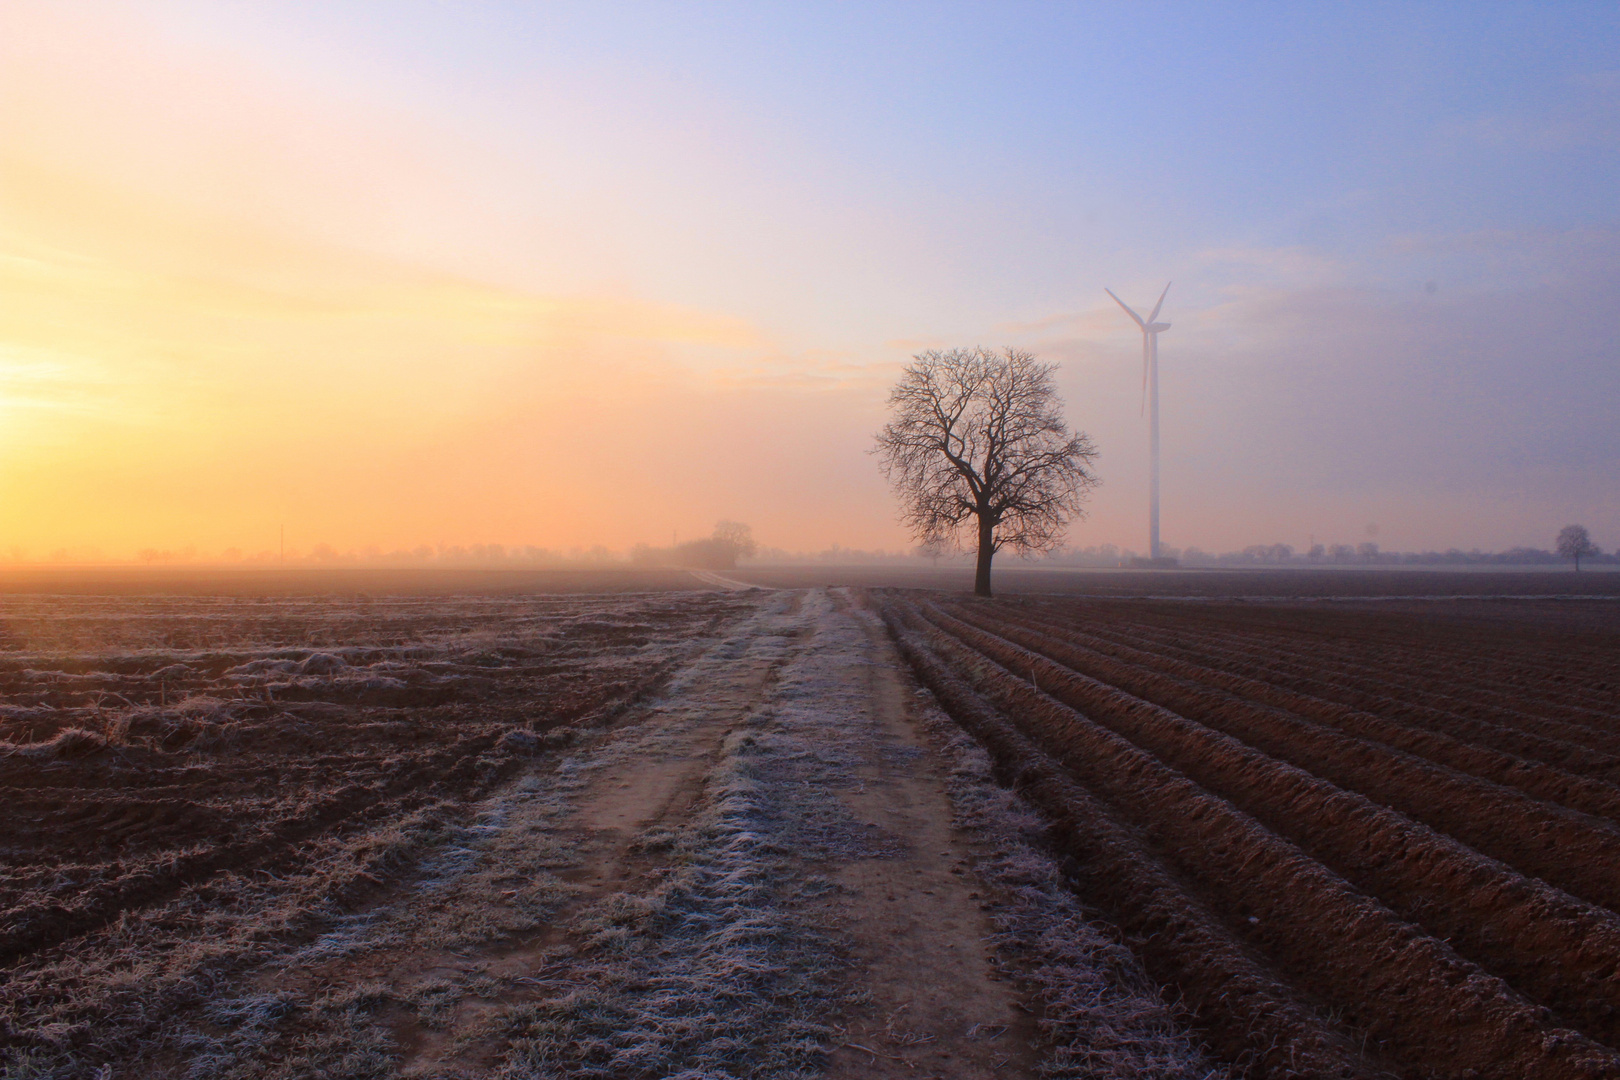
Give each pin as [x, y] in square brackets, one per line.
[565, 276]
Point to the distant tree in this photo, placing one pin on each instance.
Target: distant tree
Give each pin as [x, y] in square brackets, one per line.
[933, 549]
[977, 443]
[1368, 551]
[730, 541]
[1574, 542]
[736, 539]
[1268, 553]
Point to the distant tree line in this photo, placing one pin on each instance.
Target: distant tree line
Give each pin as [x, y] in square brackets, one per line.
[1363, 554]
[732, 542]
[1369, 554]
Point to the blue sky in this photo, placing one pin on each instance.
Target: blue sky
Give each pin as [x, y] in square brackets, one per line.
[1392, 227]
[942, 133]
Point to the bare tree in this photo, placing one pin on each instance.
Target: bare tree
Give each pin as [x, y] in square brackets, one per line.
[1574, 542]
[934, 549]
[737, 539]
[977, 438]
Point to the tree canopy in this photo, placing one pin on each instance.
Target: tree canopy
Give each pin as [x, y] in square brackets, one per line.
[977, 445]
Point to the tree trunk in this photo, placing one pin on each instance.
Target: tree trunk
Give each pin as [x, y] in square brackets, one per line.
[987, 551]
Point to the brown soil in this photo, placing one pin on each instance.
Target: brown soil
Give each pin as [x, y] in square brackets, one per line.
[1228, 739]
[421, 837]
[916, 921]
[190, 782]
[1349, 583]
[725, 830]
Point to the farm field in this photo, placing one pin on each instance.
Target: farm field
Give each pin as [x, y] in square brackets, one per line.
[191, 783]
[1365, 583]
[707, 831]
[806, 831]
[1354, 840]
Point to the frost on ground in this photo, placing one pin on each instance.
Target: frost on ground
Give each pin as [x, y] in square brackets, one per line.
[736, 960]
[194, 786]
[1100, 1014]
[715, 972]
[721, 968]
[737, 880]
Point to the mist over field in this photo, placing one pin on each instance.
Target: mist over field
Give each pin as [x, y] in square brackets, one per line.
[404, 277]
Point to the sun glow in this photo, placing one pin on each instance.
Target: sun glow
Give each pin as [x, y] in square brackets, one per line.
[155, 368]
[396, 274]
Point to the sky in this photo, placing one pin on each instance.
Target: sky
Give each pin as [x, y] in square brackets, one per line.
[568, 275]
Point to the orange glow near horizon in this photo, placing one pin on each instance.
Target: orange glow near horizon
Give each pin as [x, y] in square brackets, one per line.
[170, 385]
[205, 335]
[231, 306]
[555, 276]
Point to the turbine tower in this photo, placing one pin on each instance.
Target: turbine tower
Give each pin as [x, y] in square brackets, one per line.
[1150, 401]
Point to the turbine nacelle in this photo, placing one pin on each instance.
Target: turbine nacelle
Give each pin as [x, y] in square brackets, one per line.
[1148, 325]
[1150, 331]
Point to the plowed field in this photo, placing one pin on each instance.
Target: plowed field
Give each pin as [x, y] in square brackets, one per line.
[1353, 840]
[191, 782]
[449, 836]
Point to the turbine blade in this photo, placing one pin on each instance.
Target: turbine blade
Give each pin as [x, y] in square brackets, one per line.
[1160, 304]
[1127, 308]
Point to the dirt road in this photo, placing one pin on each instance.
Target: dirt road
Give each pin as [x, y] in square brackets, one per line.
[788, 864]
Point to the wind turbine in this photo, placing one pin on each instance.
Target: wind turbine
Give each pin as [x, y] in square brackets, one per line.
[1150, 401]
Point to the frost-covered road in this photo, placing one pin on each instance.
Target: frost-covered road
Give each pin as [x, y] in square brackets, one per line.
[786, 865]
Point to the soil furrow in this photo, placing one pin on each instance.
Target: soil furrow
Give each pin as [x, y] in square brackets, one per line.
[1572, 851]
[1453, 1015]
[1553, 948]
[1445, 679]
[1191, 685]
[1249, 1014]
[1581, 750]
